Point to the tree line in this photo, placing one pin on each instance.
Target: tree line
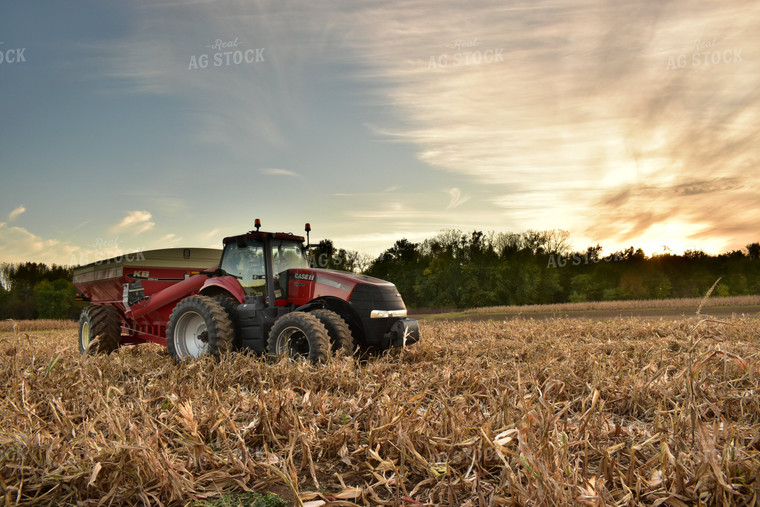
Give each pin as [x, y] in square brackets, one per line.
[32, 290]
[464, 270]
[461, 270]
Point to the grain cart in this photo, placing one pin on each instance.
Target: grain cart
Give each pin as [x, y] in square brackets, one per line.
[260, 295]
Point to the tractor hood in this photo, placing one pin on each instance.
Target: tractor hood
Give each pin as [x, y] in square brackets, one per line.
[306, 284]
[331, 276]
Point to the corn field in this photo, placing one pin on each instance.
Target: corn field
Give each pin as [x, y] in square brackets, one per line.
[520, 412]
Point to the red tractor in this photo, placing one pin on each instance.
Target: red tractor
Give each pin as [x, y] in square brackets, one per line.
[262, 295]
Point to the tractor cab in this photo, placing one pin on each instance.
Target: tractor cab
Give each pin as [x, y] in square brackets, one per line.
[257, 260]
[246, 258]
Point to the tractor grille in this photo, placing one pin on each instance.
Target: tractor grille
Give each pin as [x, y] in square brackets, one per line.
[366, 298]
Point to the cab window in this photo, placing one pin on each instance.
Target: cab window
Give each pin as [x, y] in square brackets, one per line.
[246, 263]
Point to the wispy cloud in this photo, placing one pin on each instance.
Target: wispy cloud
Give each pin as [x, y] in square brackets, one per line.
[236, 106]
[16, 212]
[563, 113]
[457, 198]
[577, 105]
[136, 222]
[168, 241]
[213, 234]
[375, 243]
[717, 215]
[271, 171]
[18, 244]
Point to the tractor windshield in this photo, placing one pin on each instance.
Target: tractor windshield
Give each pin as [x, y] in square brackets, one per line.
[287, 255]
[246, 263]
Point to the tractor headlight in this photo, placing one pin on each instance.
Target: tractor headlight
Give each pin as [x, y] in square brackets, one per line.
[384, 314]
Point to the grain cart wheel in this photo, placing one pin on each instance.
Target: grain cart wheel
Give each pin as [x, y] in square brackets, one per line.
[299, 335]
[99, 330]
[199, 325]
[341, 339]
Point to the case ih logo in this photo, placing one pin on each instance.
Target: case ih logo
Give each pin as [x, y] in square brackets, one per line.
[13, 55]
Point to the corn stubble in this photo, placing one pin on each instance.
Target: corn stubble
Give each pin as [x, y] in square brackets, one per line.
[558, 411]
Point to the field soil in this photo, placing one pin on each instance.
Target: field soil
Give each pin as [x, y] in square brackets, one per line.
[563, 411]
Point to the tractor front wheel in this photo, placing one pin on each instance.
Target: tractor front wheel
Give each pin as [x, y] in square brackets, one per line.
[99, 330]
[199, 325]
[341, 339]
[299, 335]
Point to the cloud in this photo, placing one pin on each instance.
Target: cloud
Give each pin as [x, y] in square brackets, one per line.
[457, 199]
[578, 124]
[19, 245]
[135, 222]
[227, 110]
[168, 241]
[717, 215]
[213, 234]
[564, 112]
[375, 243]
[278, 172]
[16, 212]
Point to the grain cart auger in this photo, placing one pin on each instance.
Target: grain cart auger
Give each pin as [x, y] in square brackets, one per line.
[261, 295]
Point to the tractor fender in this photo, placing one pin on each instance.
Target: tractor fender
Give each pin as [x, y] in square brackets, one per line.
[226, 283]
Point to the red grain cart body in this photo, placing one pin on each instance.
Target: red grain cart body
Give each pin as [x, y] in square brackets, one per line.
[158, 277]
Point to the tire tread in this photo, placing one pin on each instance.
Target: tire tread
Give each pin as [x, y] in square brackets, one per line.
[341, 340]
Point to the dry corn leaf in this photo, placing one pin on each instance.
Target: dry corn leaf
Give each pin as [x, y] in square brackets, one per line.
[94, 475]
[349, 493]
[505, 436]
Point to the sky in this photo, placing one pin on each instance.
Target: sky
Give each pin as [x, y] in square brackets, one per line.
[133, 125]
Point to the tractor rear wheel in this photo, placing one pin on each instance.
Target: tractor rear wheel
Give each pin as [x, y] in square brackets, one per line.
[230, 305]
[341, 339]
[199, 325]
[99, 330]
[299, 335]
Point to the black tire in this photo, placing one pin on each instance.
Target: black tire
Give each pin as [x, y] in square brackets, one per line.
[198, 326]
[341, 339]
[229, 303]
[99, 330]
[299, 335]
